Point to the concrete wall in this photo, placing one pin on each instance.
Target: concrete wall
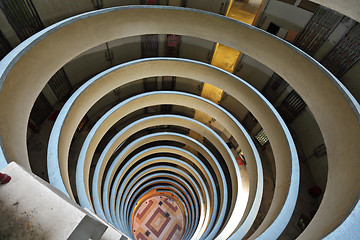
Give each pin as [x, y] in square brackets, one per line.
[233, 106]
[254, 72]
[196, 49]
[309, 135]
[8, 31]
[351, 80]
[46, 213]
[334, 38]
[350, 8]
[52, 11]
[212, 6]
[285, 15]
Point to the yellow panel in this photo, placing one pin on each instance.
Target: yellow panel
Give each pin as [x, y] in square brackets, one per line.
[225, 58]
[229, 7]
[212, 93]
[245, 10]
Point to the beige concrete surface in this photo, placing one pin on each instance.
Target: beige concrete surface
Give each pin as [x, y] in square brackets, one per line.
[199, 148]
[43, 213]
[233, 126]
[193, 71]
[207, 201]
[134, 104]
[201, 105]
[237, 207]
[111, 232]
[209, 182]
[184, 140]
[164, 149]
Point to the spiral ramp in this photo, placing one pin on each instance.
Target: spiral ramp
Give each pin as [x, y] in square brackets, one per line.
[151, 162]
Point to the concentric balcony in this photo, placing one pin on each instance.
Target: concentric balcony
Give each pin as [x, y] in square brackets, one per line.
[147, 165]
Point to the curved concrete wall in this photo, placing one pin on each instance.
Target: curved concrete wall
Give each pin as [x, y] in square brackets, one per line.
[177, 98]
[331, 104]
[90, 92]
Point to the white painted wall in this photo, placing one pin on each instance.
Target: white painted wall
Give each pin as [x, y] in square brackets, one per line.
[351, 80]
[254, 72]
[211, 6]
[234, 106]
[175, 3]
[308, 133]
[108, 99]
[195, 48]
[8, 31]
[81, 69]
[162, 44]
[52, 11]
[113, 3]
[285, 15]
[188, 85]
[93, 61]
[111, 99]
[49, 94]
[182, 84]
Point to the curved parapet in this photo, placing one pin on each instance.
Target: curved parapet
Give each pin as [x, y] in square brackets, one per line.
[95, 88]
[329, 101]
